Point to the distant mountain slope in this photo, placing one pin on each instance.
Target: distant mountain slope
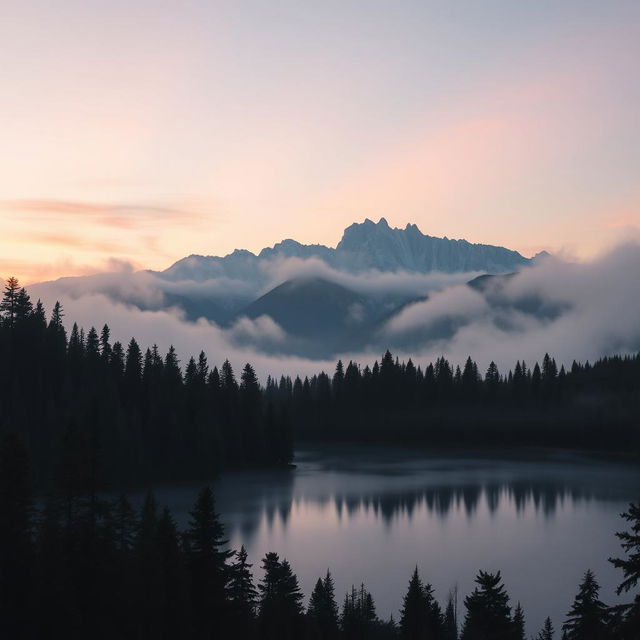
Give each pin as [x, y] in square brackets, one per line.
[321, 316]
[303, 304]
[364, 246]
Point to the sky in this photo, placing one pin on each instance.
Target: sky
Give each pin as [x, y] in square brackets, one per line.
[143, 132]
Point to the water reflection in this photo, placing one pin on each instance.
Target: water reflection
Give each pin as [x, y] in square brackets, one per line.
[351, 485]
[372, 515]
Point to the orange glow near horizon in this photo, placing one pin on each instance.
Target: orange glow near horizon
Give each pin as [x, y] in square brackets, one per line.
[134, 137]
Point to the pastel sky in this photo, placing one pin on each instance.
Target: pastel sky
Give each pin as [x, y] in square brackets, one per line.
[145, 131]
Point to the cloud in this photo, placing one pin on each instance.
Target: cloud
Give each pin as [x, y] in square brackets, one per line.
[109, 214]
[262, 333]
[373, 282]
[153, 290]
[573, 310]
[69, 241]
[244, 342]
[442, 311]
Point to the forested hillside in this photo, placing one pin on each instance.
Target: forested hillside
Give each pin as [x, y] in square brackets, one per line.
[128, 415]
[123, 414]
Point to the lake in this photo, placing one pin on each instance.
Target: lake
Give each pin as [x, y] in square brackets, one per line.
[372, 514]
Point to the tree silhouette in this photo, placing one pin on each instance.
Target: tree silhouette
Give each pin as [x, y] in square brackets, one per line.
[322, 612]
[242, 596]
[9, 301]
[358, 619]
[547, 631]
[588, 616]
[280, 608]
[420, 617]
[488, 614]
[628, 616]
[450, 625]
[518, 623]
[207, 563]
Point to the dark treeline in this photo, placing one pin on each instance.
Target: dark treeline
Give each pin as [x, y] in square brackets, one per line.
[132, 416]
[126, 415]
[590, 406]
[82, 567]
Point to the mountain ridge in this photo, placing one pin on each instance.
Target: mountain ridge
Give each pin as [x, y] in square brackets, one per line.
[364, 246]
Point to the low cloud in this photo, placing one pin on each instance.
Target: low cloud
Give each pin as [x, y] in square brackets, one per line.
[262, 333]
[246, 341]
[572, 310]
[375, 283]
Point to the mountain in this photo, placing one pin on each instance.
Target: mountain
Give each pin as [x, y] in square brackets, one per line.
[364, 246]
[324, 300]
[378, 246]
[320, 316]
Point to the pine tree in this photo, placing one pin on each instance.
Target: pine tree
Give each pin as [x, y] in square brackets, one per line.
[133, 366]
[587, 619]
[242, 596]
[23, 306]
[56, 315]
[116, 361]
[9, 301]
[338, 380]
[39, 316]
[250, 411]
[450, 626]
[92, 348]
[549, 368]
[171, 369]
[227, 378]
[488, 614]
[493, 375]
[191, 373]
[322, 613]
[415, 614]
[280, 608]
[547, 631]
[75, 348]
[630, 541]
[207, 563]
[358, 618]
[518, 623]
[202, 369]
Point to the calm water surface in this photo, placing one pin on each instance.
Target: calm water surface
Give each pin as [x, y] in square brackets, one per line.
[373, 514]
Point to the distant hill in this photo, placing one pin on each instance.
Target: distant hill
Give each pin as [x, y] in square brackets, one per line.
[321, 316]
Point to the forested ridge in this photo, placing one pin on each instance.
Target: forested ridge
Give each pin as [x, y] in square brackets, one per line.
[591, 406]
[125, 415]
[131, 416]
[79, 566]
